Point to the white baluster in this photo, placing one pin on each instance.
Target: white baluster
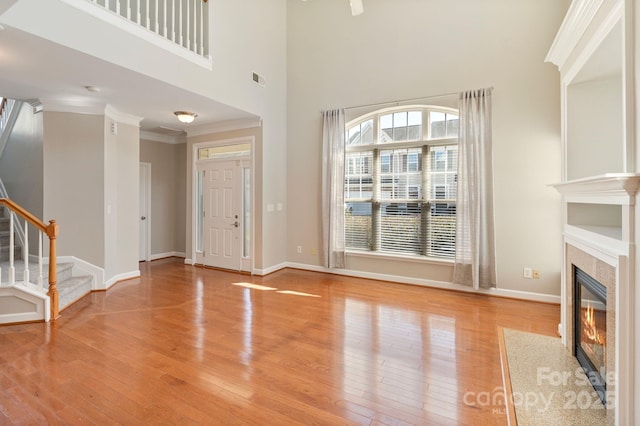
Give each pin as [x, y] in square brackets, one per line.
[157, 27]
[165, 19]
[12, 269]
[118, 7]
[25, 255]
[201, 51]
[129, 9]
[147, 19]
[188, 23]
[139, 13]
[40, 277]
[173, 20]
[180, 15]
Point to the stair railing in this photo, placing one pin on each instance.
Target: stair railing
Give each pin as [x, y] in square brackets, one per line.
[6, 105]
[51, 231]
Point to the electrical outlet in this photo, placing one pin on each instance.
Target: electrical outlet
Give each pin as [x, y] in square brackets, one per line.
[313, 252]
[536, 274]
[299, 249]
[527, 273]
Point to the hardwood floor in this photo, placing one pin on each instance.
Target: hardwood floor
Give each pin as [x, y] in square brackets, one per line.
[185, 345]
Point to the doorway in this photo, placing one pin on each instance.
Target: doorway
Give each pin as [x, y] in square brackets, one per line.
[223, 206]
[144, 240]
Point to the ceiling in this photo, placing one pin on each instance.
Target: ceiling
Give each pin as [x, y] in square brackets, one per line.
[35, 68]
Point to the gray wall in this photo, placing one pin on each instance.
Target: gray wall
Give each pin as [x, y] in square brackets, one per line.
[21, 162]
[74, 183]
[168, 195]
[410, 49]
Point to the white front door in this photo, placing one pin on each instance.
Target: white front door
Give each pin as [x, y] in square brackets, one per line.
[145, 209]
[222, 225]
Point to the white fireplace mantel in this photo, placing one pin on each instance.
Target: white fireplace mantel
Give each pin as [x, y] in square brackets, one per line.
[609, 188]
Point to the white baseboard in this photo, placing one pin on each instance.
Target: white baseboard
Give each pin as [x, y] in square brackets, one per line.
[168, 254]
[121, 277]
[270, 270]
[82, 267]
[188, 261]
[513, 294]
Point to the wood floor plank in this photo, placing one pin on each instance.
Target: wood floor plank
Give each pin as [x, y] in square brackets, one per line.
[188, 345]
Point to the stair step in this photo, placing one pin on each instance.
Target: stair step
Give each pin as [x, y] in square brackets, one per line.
[72, 289]
[63, 272]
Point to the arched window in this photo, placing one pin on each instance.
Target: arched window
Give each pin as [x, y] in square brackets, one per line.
[400, 181]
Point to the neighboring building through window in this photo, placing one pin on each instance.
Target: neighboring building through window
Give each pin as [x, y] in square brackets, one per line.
[401, 180]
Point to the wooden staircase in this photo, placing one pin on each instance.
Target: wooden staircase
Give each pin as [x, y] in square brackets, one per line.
[69, 288]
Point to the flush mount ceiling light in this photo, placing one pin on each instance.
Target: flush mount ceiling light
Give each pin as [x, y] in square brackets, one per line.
[186, 116]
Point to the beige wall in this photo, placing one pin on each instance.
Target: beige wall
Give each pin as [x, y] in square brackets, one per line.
[121, 189]
[91, 188]
[74, 183]
[410, 49]
[168, 195]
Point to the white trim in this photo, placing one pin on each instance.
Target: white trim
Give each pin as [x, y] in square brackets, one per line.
[149, 135]
[388, 256]
[82, 267]
[141, 32]
[39, 301]
[513, 294]
[121, 277]
[167, 254]
[76, 108]
[188, 261]
[146, 167]
[36, 105]
[224, 126]
[122, 117]
[575, 23]
[610, 188]
[196, 257]
[271, 269]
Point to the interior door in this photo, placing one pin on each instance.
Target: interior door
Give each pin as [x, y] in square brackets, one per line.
[222, 223]
[144, 231]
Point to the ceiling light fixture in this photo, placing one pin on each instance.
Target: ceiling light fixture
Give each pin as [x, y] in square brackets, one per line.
[186, 116]
[357, 7]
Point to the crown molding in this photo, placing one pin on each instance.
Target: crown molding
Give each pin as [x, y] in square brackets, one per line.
[122, 117]
[574, 25]
[224, 126]
[54, 105]
[36, 105]
[157, 137]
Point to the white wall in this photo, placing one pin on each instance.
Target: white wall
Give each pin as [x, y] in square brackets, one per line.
[414, 48]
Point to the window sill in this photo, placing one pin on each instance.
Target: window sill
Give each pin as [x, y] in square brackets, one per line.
[400, 257]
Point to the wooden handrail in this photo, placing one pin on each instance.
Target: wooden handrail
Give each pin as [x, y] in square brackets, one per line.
[4, 103]
[52, 232]
[24, 213]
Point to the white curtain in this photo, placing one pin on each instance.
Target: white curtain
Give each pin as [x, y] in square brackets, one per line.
[475, 245]
[333, 188]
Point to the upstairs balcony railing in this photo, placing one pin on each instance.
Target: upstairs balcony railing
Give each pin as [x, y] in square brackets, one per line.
[183, 22]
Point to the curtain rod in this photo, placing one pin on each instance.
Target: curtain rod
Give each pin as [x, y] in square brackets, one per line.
[401, 101]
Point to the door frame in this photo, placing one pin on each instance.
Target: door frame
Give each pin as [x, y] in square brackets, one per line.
[196, 255]
[146, 224]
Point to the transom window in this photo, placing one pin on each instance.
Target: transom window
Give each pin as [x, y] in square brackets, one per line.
[401, 181]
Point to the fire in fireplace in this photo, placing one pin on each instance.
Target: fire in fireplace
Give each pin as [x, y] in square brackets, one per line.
[590, 325]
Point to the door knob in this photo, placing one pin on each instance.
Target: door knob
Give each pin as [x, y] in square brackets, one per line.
[143, 218]
[236, 223]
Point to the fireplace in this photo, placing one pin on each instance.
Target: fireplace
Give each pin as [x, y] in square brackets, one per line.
[590, 329]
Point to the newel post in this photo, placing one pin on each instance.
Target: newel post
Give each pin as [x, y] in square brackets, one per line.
[52, 233]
